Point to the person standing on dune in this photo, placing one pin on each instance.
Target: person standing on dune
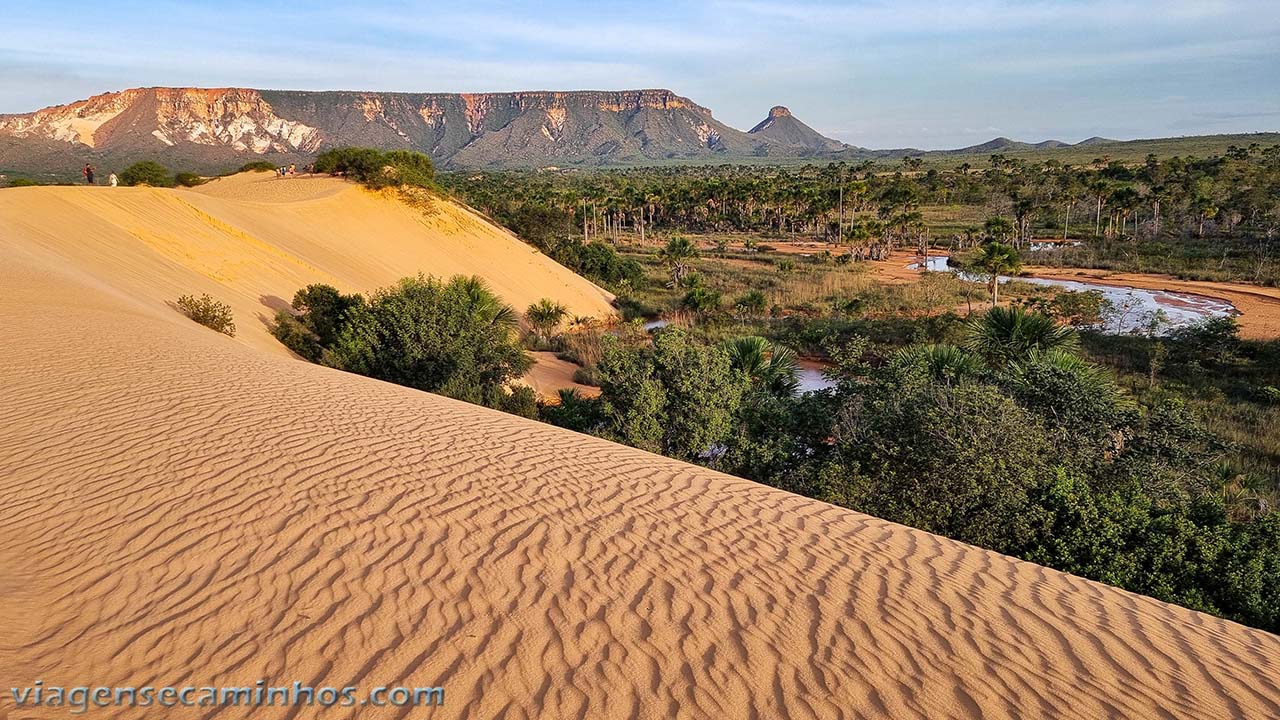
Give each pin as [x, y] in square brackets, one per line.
[88, 174]
[112, 180]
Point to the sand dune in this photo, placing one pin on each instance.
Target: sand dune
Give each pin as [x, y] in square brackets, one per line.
[252, 240]
[550, 375]
[183, 508]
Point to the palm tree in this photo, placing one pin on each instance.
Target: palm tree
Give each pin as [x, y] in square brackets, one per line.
[946, 364]
[994, 260]
[544, 317]
[773, 367]
[676, 256]
[1096, 381]
[1011, 334]
[998, 229]
[485, 307]
[1101, 190]
[1126, 200]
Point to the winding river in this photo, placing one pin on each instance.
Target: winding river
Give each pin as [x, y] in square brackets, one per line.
[1133, 309]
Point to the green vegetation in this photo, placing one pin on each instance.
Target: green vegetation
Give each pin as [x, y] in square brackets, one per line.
[544, 317]
[677, 398]
[996, 259]
[1146, 462]
[378, 169]
[147, 172]
[213, 314]
[319, 314]
[1014, 442]
[188, 179]
[454, 338]
[552, 232]
[1007, 335]
[1213, 218]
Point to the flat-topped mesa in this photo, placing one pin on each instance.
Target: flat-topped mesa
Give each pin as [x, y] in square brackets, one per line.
[215, 129]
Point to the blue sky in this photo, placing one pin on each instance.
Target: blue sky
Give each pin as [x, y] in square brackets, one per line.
[919, 73]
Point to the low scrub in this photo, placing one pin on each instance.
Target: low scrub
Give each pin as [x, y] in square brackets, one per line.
[376, 169]
[454, 337]
[147, 172]
[211, 313]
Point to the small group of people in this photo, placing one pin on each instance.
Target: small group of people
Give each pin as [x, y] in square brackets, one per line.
[88, 173]
[291, 170]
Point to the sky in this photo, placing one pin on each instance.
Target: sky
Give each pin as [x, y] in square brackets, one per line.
[928, 74]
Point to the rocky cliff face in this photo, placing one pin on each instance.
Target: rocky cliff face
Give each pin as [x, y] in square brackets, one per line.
[238, 119]
[213, 129]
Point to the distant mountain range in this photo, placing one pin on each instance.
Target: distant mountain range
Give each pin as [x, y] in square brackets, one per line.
[213, 130]
[997, 145]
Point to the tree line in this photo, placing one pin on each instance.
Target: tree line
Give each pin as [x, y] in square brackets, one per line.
[1235, 196]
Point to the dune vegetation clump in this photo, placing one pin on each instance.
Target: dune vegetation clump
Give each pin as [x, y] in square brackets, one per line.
[376, 169]
[454, 337]
[188, 179]
[147, 172]
[211, 313]
[544, 317]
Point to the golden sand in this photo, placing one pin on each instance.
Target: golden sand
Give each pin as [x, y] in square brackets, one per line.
[182, 507]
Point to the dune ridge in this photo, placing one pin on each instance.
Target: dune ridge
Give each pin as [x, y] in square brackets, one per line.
[252, 240]
[184, 508]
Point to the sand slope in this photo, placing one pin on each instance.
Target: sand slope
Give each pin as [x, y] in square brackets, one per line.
[179, 507]
[252, 240]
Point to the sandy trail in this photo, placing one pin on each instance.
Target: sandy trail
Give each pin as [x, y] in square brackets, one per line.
[181, 507]
[550, 375]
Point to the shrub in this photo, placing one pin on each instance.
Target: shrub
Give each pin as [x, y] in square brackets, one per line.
[23, 182]
[598, 261]
[377, 169]
[678, 398]
[454, 338]
[574, 411]
[210, 313]
[188, 179]
[319, 314]
[518, 400]
[752, 302]
[701, 299]
[955, 460]
[292, 332]
[545, 317]
[411, 168]
[587, 376]
[148, 173]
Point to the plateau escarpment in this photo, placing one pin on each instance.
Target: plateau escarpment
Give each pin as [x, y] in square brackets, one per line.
[212, 129]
